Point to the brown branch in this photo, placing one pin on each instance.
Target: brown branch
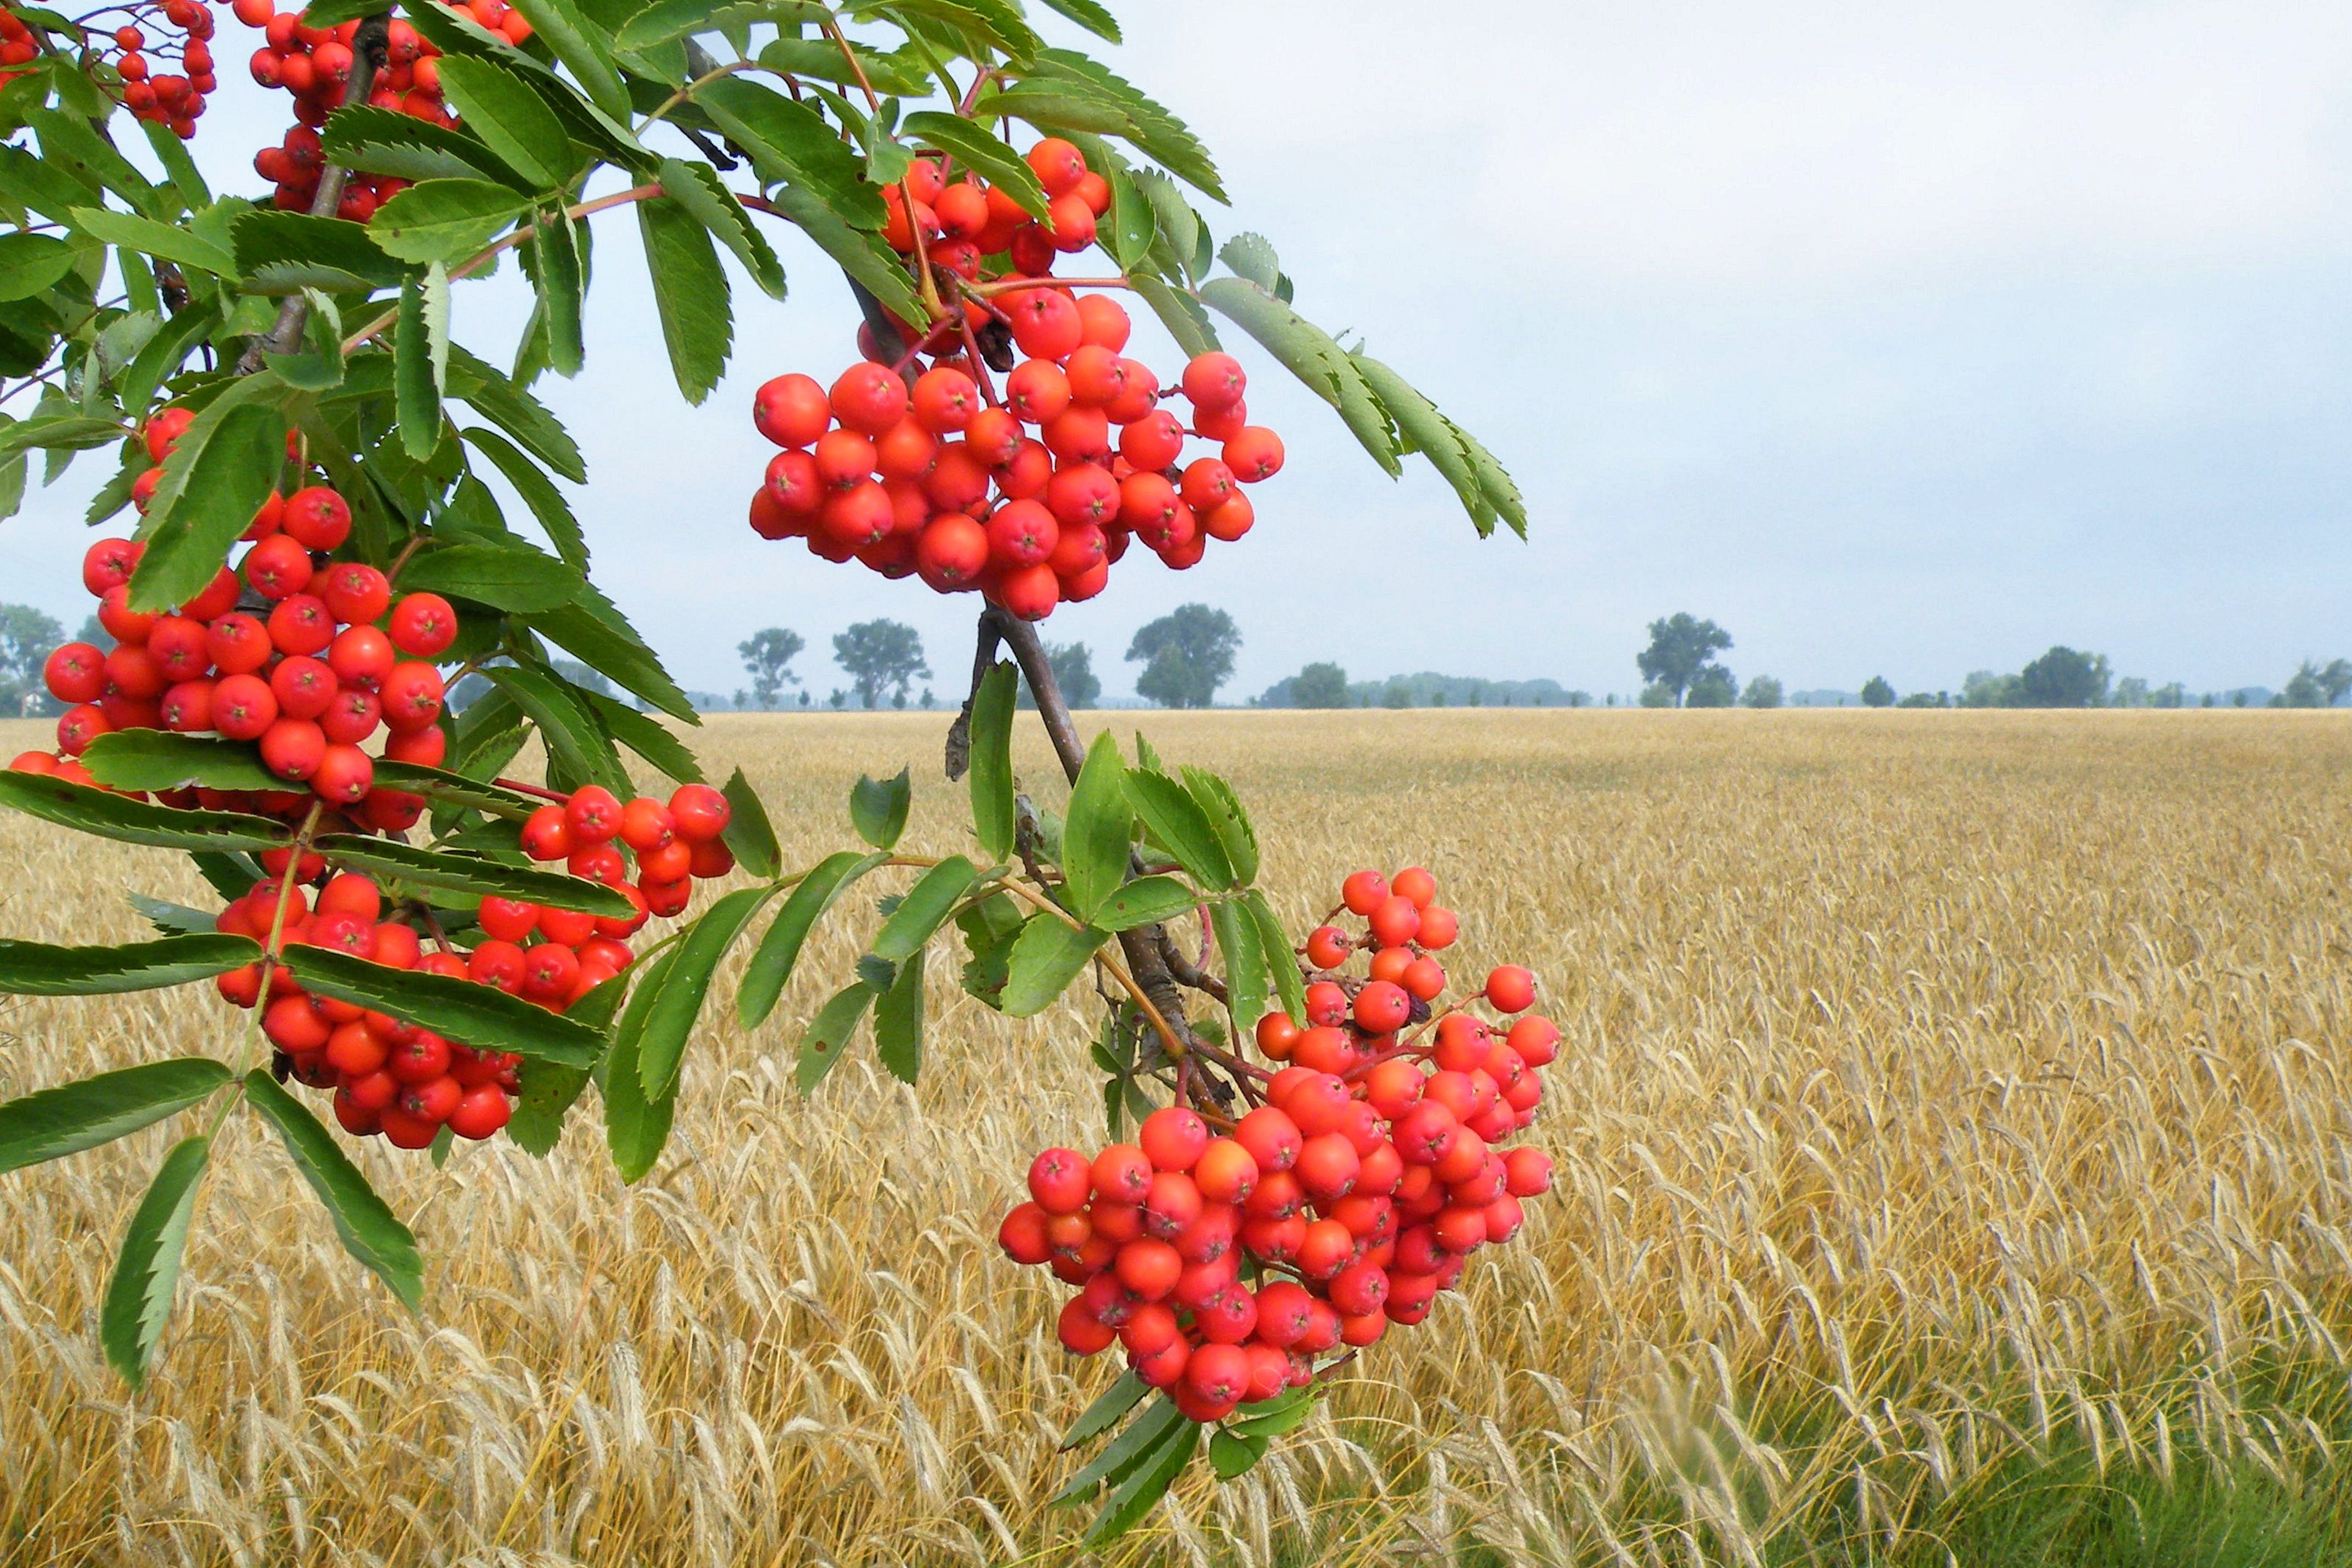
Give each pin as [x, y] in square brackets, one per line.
[367, 56]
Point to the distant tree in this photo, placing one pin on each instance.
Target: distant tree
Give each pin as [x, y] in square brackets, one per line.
[1680, 648]
[1580, 699]
[1186, 654]
[1715, 687]
[1877, 693]
[1926, 700]
[1320, 686]
[879, 656]
[2131, 692]
[1073, 665]
[27, 638]
[1763, 691]
[2314, 686]
[929, 702]
[1658, 694]
[2238, 698]
[2170, 695]
[1477, 696]
[2063, 678]
[1437, 698]
[1983, 689]
[1397, 695]
[838, 698]
[767, 656]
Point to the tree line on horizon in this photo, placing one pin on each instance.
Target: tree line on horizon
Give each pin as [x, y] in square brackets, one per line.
[1188, 655]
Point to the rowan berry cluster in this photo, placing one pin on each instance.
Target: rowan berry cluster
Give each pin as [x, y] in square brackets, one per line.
[314, 64]
[1225, 1265]
[404, 1082]
[1031, 496]
[307, 656]
[175, 28]
[672, 844]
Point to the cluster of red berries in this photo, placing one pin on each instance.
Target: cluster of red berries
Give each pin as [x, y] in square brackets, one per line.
[672, 844]
[1225, 1265]
[928, 472]
[176, 100]
[308, 656]
[405, 1081]
[314, 64]
[18, 47]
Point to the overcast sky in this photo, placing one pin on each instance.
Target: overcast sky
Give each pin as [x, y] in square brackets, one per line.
[1897, 339]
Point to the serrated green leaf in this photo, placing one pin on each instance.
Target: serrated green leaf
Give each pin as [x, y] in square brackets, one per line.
[1096, 835]
[538, 492]
[977, 147]
[749, 832]
[482, 1015]
[691, 296]
[1134, 1497]
[45, 188]
[387, 141]
[1232, 1455]
[1047, 957]
[924, 909]
[574, 739]
[1222, 807]
[444, 220]
[1307, 353]
[666, 20]
[1281, 960]
[522, 416]
[646, 737]
[1246, 976]
[72, 1117]
[696, 188]
[218, 475]
[548, 1092]
[1251, 256]
[36, 969]
[420, 358]
[1143, 1437]
[635, 1128]
[130, 821]
[170, 919]
[443, 787]
[471, 874]
[161, 760]
[878, 809]
[74, 145]
[1128, 236]
[820, 59]
[1179, 826]
[1272, 1417]
[991, 759]
[582, 47]
[552, 257]
[506, 577]
[1114, 1402]
[986, 24]
[1477, 481]
[1178, 312]
[629, 663]
[855, 251]
[147, 1267]
[790, 143]
[511, 117]
[1147, 900]
[829, 1032]
[284, 253]
[899, 1022]
[1157, 133]
[771, 963]
[669, 1017]
[149, 237]
[364, 1224]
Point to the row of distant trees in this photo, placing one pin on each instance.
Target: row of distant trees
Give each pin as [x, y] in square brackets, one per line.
[1681, 670]
[1186, 655]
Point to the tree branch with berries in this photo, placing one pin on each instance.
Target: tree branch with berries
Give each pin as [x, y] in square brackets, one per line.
[310, 556]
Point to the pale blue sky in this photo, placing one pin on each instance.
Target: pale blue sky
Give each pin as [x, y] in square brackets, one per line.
[1898, 340]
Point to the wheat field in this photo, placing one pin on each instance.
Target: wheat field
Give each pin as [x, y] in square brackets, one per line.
[1950, 1104]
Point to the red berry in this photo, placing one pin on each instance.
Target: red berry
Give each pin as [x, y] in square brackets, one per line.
[422, 625]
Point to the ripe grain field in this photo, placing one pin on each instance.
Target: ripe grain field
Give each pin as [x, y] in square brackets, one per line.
[1955, 1165]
